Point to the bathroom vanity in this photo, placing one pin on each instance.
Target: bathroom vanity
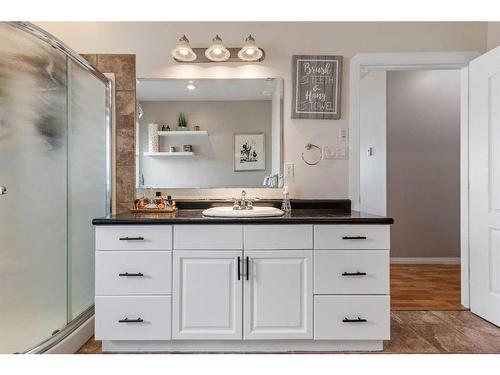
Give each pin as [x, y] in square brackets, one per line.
[316, 279]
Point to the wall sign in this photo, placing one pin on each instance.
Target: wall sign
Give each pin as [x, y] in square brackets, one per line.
[316, 87]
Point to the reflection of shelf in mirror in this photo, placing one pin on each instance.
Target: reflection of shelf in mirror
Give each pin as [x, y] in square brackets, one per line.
[183, 132]
[179, 153]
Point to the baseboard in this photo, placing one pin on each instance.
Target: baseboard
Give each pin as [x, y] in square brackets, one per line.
[75, 340]
[425, 260]
[241, 346]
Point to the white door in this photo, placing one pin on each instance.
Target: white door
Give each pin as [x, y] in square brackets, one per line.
[484, 179]
[278, 295]
[207, 295]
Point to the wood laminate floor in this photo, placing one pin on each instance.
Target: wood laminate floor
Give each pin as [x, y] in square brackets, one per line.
[425, 287]
[422, 332]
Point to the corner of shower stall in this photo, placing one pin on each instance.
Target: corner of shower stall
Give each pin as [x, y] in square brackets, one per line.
[55, 118]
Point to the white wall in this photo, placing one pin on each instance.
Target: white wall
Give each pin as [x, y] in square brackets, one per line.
[213, 163]
[423, 162]
[152, 42]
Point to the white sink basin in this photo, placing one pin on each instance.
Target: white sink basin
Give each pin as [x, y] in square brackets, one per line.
[228, 211]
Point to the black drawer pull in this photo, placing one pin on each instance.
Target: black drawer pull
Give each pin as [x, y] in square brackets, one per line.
[239, 269]
[131, 238]
[353, 273]
[359, 320]
[354, 238]
[248, 269]
[138, 274]
[127, 320]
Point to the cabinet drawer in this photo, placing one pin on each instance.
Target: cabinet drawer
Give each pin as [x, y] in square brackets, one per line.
[351, 272]
[208, 237]
[149, 318]
[133, 272]
[356, 237]
[285, 237]
[133, 237]
[336, 317]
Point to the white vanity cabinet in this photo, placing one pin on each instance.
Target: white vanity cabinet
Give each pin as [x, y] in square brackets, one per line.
[242, 287]
[351, 283]
[278, 295]
[207, 295]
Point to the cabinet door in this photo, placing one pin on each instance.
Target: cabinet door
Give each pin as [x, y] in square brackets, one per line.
[207, 295]
[278, 295]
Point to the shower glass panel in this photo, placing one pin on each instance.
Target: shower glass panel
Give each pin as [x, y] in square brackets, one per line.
[53, 163]
[33, 150]
[87, 192]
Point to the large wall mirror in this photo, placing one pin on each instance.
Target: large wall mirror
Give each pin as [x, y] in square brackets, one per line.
[209, 133]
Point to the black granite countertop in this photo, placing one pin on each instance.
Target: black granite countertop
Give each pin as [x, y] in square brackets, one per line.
[303, 212]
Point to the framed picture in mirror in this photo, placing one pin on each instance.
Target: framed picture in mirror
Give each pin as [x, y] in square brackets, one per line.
[249, 152]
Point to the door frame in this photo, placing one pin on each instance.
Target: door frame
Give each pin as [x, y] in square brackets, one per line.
[365, 62]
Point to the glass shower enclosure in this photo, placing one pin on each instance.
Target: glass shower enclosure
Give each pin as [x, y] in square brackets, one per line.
[54, 178]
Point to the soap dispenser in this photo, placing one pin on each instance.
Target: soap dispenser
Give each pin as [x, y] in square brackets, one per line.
[285, 205]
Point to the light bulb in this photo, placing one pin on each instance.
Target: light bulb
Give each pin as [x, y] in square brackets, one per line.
[217, 52]
[183, 51]
[250, 51]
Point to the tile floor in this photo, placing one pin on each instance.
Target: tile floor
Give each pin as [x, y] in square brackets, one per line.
[426, 315]
[422, 332]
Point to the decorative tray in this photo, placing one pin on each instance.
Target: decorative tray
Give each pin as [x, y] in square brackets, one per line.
[153, 210]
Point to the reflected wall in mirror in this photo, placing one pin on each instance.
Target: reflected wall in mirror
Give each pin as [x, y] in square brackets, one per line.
[205, 152]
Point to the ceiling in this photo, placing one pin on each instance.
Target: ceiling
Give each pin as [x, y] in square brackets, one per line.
[206, 89]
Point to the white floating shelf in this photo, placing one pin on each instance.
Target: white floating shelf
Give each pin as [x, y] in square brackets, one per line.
[179, 153]
[183, 132]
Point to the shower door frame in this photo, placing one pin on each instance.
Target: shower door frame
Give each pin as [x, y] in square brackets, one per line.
[77, 324]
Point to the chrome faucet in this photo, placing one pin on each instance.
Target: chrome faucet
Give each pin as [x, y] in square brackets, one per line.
[243, 203]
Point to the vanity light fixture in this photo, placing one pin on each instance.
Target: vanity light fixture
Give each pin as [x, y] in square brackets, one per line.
[217, 52]
[191, 85]
[183, 51]
[250, 51]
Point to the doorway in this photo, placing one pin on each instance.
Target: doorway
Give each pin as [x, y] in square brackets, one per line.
[423, 188]
[408, 117]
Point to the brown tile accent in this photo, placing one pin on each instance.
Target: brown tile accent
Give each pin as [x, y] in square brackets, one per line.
[125, 184]
[92, 59]
[124, 207]
[122, 65]
[125, 103]
[419, 332]
[125, 148]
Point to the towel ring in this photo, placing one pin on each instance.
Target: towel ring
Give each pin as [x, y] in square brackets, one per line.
[308, 147]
